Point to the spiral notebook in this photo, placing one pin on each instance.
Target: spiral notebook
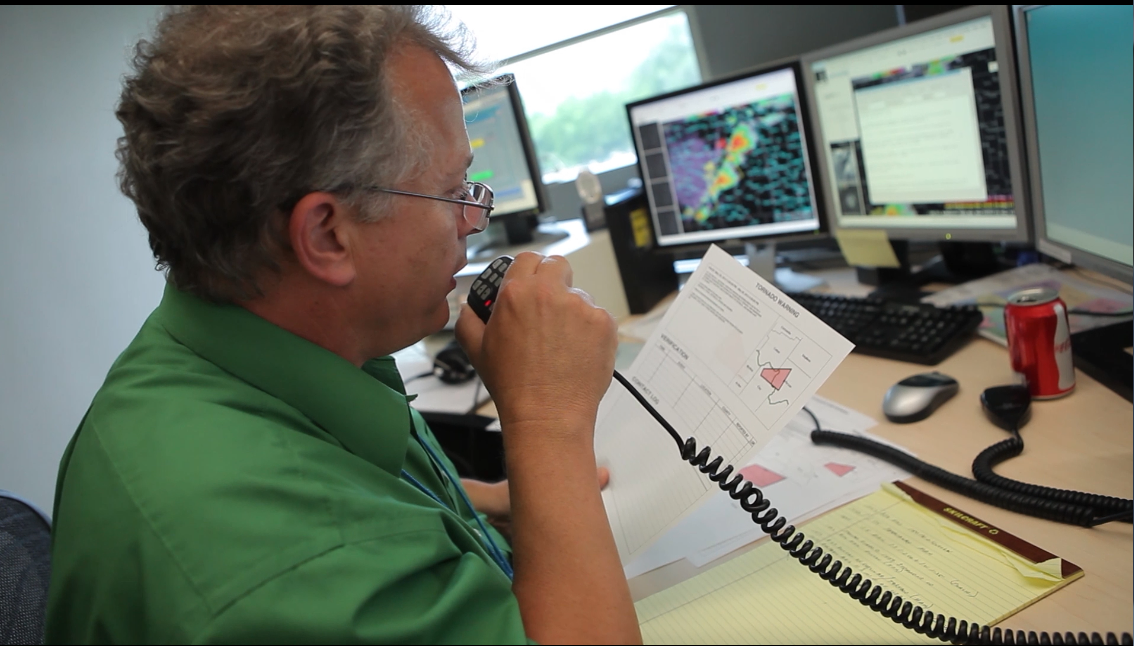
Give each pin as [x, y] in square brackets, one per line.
[914, 545]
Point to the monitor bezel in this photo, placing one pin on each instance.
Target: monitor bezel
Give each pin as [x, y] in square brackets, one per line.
[734, 242]
[1059, 250]
[508, 81]
[1005, 59]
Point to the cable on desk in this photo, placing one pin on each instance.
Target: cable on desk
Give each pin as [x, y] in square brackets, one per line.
[416, 377]
[1074, 312]
[1120, 508]
[1085, 275]
[1022, 503]
[794, 542]
[1121, 315]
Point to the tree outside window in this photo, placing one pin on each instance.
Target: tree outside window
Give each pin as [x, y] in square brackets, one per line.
[575, 95]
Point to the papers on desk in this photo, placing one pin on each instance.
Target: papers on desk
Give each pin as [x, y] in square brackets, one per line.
[801, 479]
[991, 294]
[433, 395]
[731, 363]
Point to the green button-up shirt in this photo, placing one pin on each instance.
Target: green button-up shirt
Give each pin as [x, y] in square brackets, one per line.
[233, 482]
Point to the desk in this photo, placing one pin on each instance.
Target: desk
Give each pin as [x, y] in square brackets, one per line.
[1081, 442]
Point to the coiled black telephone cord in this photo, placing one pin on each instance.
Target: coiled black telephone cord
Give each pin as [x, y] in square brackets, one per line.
[1106, 508]
[882, 601]
[1060, 505]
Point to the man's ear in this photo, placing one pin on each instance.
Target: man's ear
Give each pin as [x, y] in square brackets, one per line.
[318, 230]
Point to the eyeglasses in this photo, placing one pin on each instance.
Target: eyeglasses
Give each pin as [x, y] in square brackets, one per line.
[476, 209]
[480, 202]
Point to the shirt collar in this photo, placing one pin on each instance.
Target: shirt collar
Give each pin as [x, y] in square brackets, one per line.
[366, 410]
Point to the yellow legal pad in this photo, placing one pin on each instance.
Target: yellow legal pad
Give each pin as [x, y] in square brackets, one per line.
[913, 544]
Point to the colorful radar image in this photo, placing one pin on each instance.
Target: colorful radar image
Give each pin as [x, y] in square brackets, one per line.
[740, 166]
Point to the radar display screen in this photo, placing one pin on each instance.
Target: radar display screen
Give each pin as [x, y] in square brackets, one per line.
[727, 161]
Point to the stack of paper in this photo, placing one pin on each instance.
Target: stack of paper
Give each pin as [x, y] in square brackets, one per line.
[991, 294]
[801, 479]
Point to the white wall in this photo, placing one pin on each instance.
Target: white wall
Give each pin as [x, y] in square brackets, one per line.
[76, 274]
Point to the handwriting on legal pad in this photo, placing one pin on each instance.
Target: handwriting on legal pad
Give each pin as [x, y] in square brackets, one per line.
[765, 597]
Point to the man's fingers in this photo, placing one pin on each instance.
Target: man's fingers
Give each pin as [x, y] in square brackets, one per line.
[556, 267]
[587, 298]
[603, 477]
[524, 264]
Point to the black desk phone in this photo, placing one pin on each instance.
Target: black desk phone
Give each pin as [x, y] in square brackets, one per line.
[482, 300]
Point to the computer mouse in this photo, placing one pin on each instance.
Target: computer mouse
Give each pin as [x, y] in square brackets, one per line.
[452, 365]
[915, 398]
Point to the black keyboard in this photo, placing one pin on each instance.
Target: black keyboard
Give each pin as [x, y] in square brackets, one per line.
[920, 333]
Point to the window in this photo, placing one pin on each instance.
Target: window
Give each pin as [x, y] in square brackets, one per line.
[575, 89]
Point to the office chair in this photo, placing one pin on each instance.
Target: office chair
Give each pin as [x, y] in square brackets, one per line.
[25, 569]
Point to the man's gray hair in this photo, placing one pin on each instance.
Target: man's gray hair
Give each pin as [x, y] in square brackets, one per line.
[231, 114]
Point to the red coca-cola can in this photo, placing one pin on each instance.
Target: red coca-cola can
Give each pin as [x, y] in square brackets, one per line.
[1039, 342]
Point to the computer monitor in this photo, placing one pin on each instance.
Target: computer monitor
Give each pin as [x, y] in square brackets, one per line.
[503, 154]
[728, 160]
[1077, 92]
[917, 130]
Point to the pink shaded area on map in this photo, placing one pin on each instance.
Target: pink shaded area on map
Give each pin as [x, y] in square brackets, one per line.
[838, 469]
[760, 476]
[775, 376]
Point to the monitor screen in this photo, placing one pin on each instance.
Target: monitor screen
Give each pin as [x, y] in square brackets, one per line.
[727, 160]
[1077, 76]
[503, 157]
[916, 128]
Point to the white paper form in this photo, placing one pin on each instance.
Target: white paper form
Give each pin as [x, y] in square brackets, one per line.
[800, 478]
[730, 363]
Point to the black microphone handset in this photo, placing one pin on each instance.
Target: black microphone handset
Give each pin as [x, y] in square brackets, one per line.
[482, 300]
[482, 294]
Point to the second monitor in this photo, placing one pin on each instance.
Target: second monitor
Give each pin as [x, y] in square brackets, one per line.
[503, 154]
[728, 160]
[917, 130]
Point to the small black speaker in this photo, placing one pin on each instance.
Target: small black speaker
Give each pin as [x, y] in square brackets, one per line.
[647, 276]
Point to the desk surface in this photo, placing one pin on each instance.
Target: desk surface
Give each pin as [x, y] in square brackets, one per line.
[1080, 442]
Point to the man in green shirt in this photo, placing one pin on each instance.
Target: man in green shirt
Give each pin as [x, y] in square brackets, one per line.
[251, 470]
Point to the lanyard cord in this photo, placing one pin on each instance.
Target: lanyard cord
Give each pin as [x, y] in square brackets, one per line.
[486, 538]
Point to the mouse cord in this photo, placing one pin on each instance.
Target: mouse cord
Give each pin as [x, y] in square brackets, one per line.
[421, 376]
[1030, 505]
[1115, 508]
[853, 584]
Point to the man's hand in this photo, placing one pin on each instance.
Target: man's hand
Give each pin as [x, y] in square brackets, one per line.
[548, 352]
[490, 499]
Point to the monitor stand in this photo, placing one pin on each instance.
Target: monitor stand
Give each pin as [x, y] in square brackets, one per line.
[1105, 354]
[762, 261]
[519, 229]
[959, 262]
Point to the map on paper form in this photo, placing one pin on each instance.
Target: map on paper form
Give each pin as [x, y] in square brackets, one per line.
[732, 361]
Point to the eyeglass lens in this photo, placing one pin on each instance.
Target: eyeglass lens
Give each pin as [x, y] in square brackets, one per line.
[478, 217]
